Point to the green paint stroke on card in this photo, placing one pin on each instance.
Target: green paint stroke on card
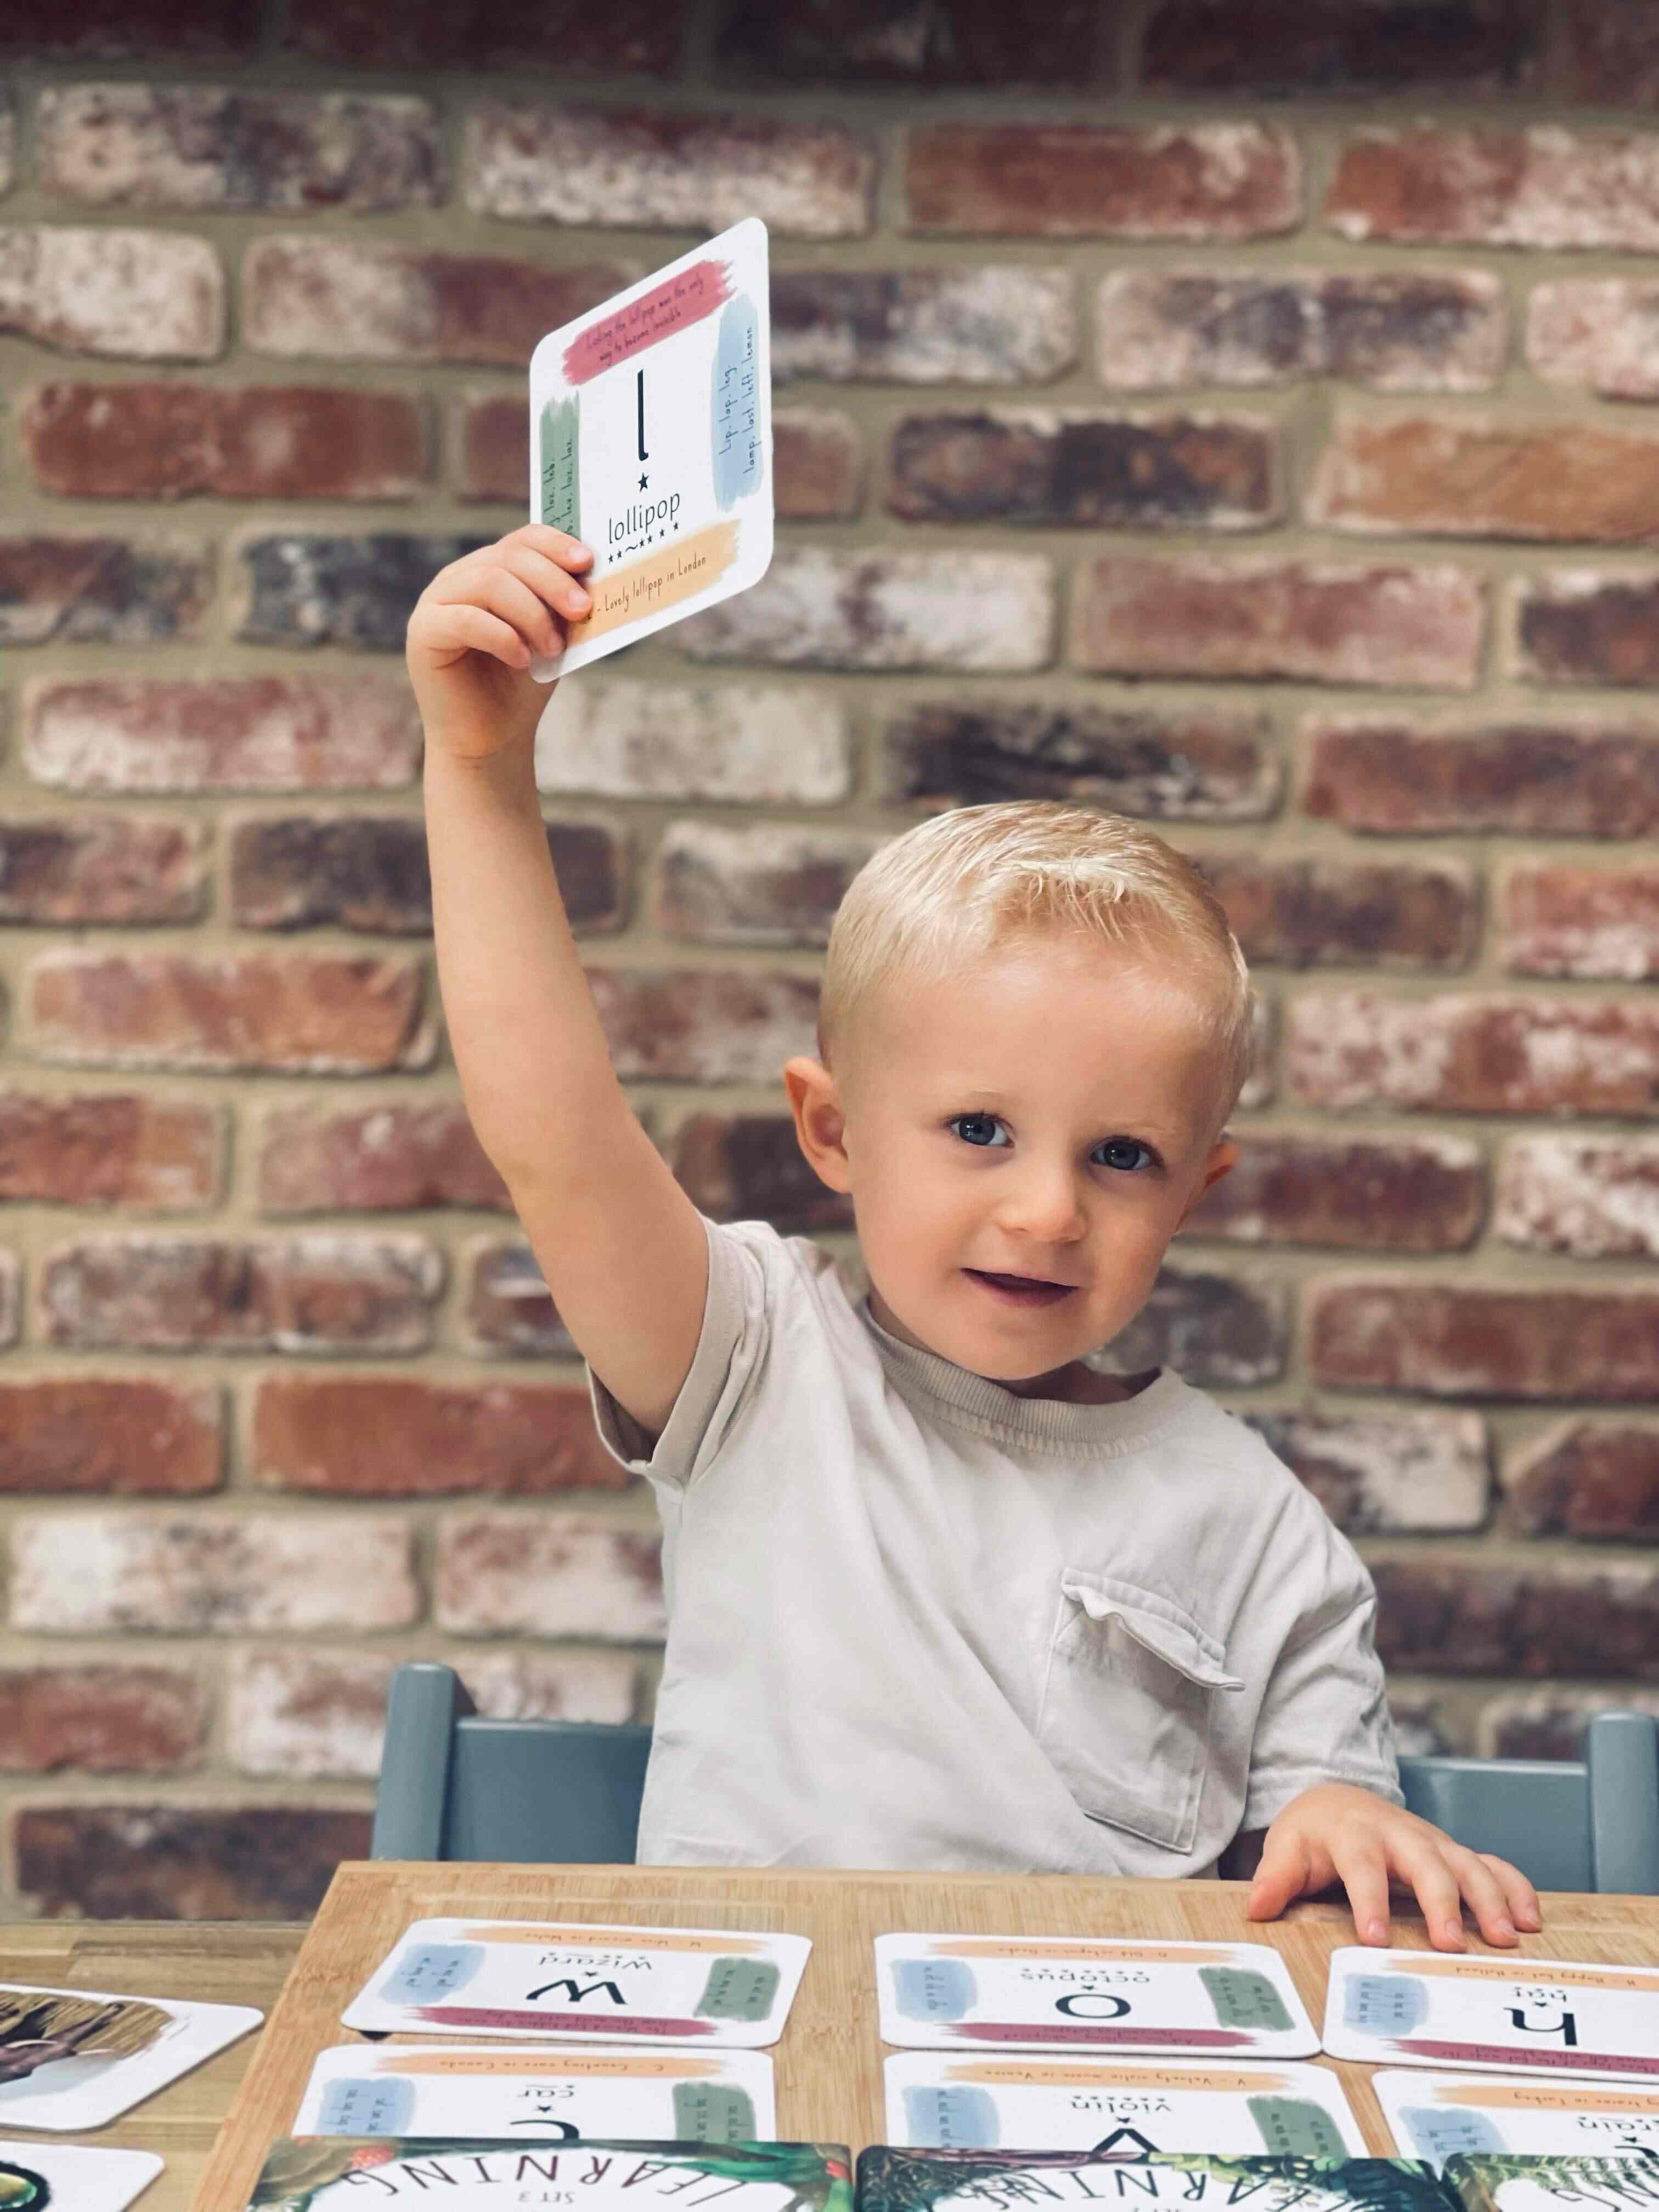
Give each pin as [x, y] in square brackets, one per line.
[713, 2111]
[561, 460]
[739, 1989]
[1295, 2127]
[1243, 1998]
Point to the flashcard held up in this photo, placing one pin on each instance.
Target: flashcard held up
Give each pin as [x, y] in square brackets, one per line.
[1532, 2016]
[690, 1985]
[1441, 2116]
[651, 441]
[1233, 2000]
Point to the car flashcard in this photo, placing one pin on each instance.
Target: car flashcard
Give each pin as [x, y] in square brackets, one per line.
[74, 2059]
[1531, 2016]
[651, 441]
[692, 1985]
[1012, 1992]
[940, 2102]
[1439, 2116]
[64, 2175]
[520, 2091]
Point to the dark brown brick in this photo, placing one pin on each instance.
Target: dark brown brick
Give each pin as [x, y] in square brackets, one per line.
[1519, 779]
[1471, 1339]
[108, 1150]
[109, 30]
[103, 1720]
[946, 42]
[102, 869]
[1216, 1331]
[1581, 626]
[116, 1437]
[301, 588]
[759, 885]
[1550, 1724]
[704, 1025]
[748, 1167]
[1377, 1194]
[1302, 913]
[641, 35]
[262, 1861]
[1004, 324]
[1464, 1617]
[1614, 53]
[113, 591]
[389, 1158]
[509, 1308]
[492, 437]
[1329, 47]
[817, 463]
[1592, 1480]
[375, 1436]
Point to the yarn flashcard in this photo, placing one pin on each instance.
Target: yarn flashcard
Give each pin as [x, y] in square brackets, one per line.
[1441, 2116]
[40, 2174]
[938, 1992]
[651, 441]
[691, 1985]
[458, 2089]
[74, 2059]
[1530, 2016]
[936, 2101]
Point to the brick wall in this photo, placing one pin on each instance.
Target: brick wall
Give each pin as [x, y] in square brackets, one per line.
[1236, 414]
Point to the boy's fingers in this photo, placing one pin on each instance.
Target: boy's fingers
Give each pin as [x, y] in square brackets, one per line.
[1484, 1895]
[1363, 1873]
[1282, 1876]
[472, 629]
[558, 544]
[507, 595]
[1519, 1893]
[550, 583]
[1418, 1861]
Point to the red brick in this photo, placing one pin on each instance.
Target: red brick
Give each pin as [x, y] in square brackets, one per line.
[660, 168]
[1544, 187]
[1095, 472]
[1309, 622]
[251, 441]
[1590, 1479]
[115, 1436]
[1464, 1617]
[1330, 48]
[103, 1720]
[1415, 1472]
[567, 1684]
[349, 299]
[377, 1436]
[548, 1573]
[1518, 779]
[102, 869]
[1366, 1194]
[1587, 626]
[1429, 330]
[102, 590]
[705, 1024]
[100, 30]
[314, 1293]
[1550, 1724]
[750, 743]
[1465, 477]
[748, 1167]
[108, 1150]
[197, 146]
[319, 1015]
[1219, 1332]
[389, 1158]
[509, 1308]
[222, 733]
[183, 1863]
[1470, 1340]
[1581, 921]
[1302, 913]
[492, 437]
[630, 35]
[818, 460]
[136, 294]
[951, 42]
[323, 587]
[1595, 332]
[1459, 1054]
[11, 1296]
[762, 884]
[965, 325]
[1594, 1197]
[1205, 181]
[1615, 57]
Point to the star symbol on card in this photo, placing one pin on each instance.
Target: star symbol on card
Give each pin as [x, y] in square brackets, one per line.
[645, 483]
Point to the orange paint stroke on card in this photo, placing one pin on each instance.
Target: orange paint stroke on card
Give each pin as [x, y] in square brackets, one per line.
[611, 1939]
[1009, 2074]
[664, 579]
[1532, 2097]
[674, 305]
[579, 2065]
[969, 1947]
[1530, 1973]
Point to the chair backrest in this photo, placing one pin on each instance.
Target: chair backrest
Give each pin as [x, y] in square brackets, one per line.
[1588, 1824]
[455, 1786]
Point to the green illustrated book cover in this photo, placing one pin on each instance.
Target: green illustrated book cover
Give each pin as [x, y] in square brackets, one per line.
[1035, 2181]
[1483, 2183]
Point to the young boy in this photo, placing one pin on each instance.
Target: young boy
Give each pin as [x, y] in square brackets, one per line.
[941, 1594]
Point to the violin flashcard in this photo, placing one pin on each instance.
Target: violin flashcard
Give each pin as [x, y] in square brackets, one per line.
[74, 2059]
[939, 2101]
[1509, 2016]
[651, 441]
[36, 2175]
[1015, 1992]
[524, 2090]
[691, 1985]
[1441, 2116]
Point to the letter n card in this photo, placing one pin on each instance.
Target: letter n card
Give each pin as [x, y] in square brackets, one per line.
[1506, 2015]
[651, 441]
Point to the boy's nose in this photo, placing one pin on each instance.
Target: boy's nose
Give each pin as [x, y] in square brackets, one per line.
[1045, 1208]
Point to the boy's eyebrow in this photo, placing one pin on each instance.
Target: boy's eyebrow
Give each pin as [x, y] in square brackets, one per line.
[985, 1095]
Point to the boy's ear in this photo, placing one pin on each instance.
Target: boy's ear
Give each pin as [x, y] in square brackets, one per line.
[1223, 1157]
[820, 1125]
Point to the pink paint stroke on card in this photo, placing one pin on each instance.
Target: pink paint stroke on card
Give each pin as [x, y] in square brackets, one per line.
[560, 2023]
[1148, 2039]
[1553, 2062]
[674, 305]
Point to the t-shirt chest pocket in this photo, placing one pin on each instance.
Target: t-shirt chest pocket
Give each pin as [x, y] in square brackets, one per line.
[1126, 1702]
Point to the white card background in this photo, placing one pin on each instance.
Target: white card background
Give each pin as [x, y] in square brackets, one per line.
[526, 2091]
[1434, 2115]
[1213, 2000]
[696, 1986]
[84, 2180]
[656, 450]
[1540, 2016]
[1016, 2102]
[79, 2092]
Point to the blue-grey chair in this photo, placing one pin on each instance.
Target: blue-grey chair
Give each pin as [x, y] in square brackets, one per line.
[456, 1786]
[1584, 1824]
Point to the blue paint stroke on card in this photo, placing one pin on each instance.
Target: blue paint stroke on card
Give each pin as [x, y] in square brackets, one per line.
[735, 440]
[432, 1971]
[933, 1989]
[1437, 2133]
[364, 2106]
[938, 2119]
[1384, 2005]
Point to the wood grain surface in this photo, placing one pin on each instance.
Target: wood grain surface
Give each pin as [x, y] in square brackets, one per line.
[829, 2061]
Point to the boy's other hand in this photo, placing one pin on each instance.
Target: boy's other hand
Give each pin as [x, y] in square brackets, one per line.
[1335, 1834]
[476, 628]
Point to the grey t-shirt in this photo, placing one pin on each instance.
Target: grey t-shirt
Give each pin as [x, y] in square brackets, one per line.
[916, 1620]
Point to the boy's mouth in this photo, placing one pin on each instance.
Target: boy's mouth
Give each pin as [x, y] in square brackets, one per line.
[1021, 1289]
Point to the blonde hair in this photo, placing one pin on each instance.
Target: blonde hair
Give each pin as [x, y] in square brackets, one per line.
[961, 883]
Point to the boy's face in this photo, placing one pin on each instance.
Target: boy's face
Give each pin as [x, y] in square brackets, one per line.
[1020, 1141]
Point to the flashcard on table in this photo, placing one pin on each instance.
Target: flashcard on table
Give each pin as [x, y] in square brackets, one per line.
[895, 2180]
[453, 2089]
[1440, 2116]
[78, 2180]
[651, 441]
[692, 1985]
[1015, 1992]
[939, 2101]
[1546, 2184]
[74, 2059]
[1533, 2017]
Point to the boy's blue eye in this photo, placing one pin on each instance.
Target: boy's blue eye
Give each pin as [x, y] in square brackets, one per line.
[1126, 1154]
[981, 1129]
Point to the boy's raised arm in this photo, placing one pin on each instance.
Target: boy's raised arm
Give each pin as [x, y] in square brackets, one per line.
[624, 1250]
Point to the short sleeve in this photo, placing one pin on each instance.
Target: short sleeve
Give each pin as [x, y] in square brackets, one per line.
[732, 1349]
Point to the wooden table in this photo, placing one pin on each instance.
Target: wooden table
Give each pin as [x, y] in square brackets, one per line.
[233, 1963]
[829, 2062]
